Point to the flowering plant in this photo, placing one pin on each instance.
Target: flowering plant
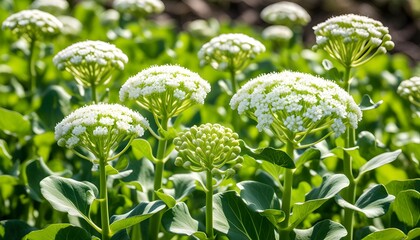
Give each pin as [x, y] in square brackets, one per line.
[100, 128]
[352, 39]
[53, 7]
[285, 13]
[410, 89]
[141, 8]
[295, 104]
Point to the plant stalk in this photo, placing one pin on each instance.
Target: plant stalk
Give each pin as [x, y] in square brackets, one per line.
[31, 67]
[104, 201]
[209, 205]
[93, 89]
[235, 118]
[155, 219]
[350, 191]
[287, 195]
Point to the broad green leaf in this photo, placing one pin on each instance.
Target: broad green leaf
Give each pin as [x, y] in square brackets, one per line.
[258, 196]
[268, 154]
[143, 173]
[233, 218]
[307, 156]
[372, 203]
[323, 230]
[407, 207]
[413, 234]
[13, 123]
[179, 221]
[36, 170]
[166, 198]
[262, 199]
[141, 212]
[68, 195]
[7, 185]
[143, 148]
[110, 170]
[397, 186]
[62, 231]
[368, 104]
[379, 161]
[386, 234]
[183, 184]
[14, 229]
[331, 185]
[54, 107]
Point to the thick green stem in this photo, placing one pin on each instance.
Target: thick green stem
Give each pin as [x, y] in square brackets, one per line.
[233, 80]
[103, 201]
[235, 118]
[93, 89]
[160, 155]
[31, 67]
[350, 191]
[287, 195]
[209, 206]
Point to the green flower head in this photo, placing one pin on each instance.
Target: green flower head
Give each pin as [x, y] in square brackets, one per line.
[139, 8]
[352, 39]
[100, 128]
[286, 13]
[165, 90]
[410, 89]
[294, 105]
[208, 147]
[91, 62]
[33, 25]
[230, 52]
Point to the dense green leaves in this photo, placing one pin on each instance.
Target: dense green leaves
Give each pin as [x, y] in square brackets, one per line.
[233, 218]
[407, 207]
[14, 229]
[62, 231]
[323, 230]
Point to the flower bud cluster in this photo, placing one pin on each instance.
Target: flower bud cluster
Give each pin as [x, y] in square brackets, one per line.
[410, 89]
[285, 13]
[99, 128]
[230, 51]
[295, 104]
[140, 8]
[91, 62]
[53, 7]
[277, 33]
[165, 90]
[352, 39]
[33, 25]
[208, 147]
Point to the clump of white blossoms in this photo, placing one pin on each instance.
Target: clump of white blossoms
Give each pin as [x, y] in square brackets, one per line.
[277, 33]
[139, 8]
[91, 62]
[285, 13]
[230, 52]
[208, 147]
[203, 28]
[410, 89]
[53, 7]
[33, 25]
[71, 26]
[100, 128]
[294, 105]
[352, 39]
[165, 90]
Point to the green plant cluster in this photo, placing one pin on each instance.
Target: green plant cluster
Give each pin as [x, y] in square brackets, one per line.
[118, 127]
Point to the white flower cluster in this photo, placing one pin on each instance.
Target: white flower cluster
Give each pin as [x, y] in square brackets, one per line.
[71, 25]
[53, 7]
[286, 13]
[208, 147]
[293, 103]
[352, 39]
[410, 89]
[277, 33]
[165, 90]
[230, 51]
[33, 24]
[204, 28]
[141, 8]
[99, 128]
[91, 61]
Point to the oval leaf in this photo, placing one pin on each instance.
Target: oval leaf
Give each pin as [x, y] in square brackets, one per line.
[386, 234]
[142, 148]
[407, 207]
[368, 104]
[323, 230]
[13, 123]
[379, 161]
[63, 231]
[269, 154]
[372, 203]
[138, 214]
[179, 221]
[168, 199]
[233, 218]
[413, 234]
[309, 155]
[68, 195]
[258, 196]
